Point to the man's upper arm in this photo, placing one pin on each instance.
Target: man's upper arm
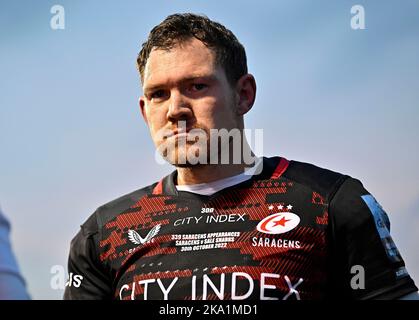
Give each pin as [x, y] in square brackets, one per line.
[87, 276]
[367, 263]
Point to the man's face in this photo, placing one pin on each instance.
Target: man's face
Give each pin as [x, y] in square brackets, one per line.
[185, 84]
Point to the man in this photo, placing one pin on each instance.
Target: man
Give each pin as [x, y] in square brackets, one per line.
[227, 224]
[12, 285]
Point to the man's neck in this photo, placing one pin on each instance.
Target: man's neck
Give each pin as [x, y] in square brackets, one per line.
[208, 173]
[204, 173]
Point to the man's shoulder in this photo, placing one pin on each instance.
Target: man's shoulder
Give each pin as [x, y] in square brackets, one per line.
[111, 209]
[321, 180]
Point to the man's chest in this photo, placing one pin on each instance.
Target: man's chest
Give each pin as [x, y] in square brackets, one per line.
[264, 242]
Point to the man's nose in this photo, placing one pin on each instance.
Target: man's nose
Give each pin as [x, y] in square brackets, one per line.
[179, 107]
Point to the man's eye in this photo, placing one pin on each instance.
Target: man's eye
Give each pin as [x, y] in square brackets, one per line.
[198, 86]
[157, 94]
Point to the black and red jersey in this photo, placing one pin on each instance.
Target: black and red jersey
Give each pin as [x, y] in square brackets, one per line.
[293, 231]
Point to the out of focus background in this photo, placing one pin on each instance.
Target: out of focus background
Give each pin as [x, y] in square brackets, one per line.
[72, 138]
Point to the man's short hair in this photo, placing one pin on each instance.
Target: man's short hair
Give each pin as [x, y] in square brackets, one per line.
[177, 28]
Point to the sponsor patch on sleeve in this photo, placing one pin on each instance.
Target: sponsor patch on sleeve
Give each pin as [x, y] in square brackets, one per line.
[382, 224]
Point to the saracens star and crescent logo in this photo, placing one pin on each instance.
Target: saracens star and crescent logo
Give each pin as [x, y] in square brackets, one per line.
[279, 222]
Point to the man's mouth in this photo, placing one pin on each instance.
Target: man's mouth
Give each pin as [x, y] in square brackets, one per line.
[178, 133]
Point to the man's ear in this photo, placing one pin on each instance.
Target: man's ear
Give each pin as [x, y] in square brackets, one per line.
[245, 93]
[141, 102]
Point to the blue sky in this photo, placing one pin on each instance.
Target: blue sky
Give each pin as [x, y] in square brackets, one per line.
[72, 138]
